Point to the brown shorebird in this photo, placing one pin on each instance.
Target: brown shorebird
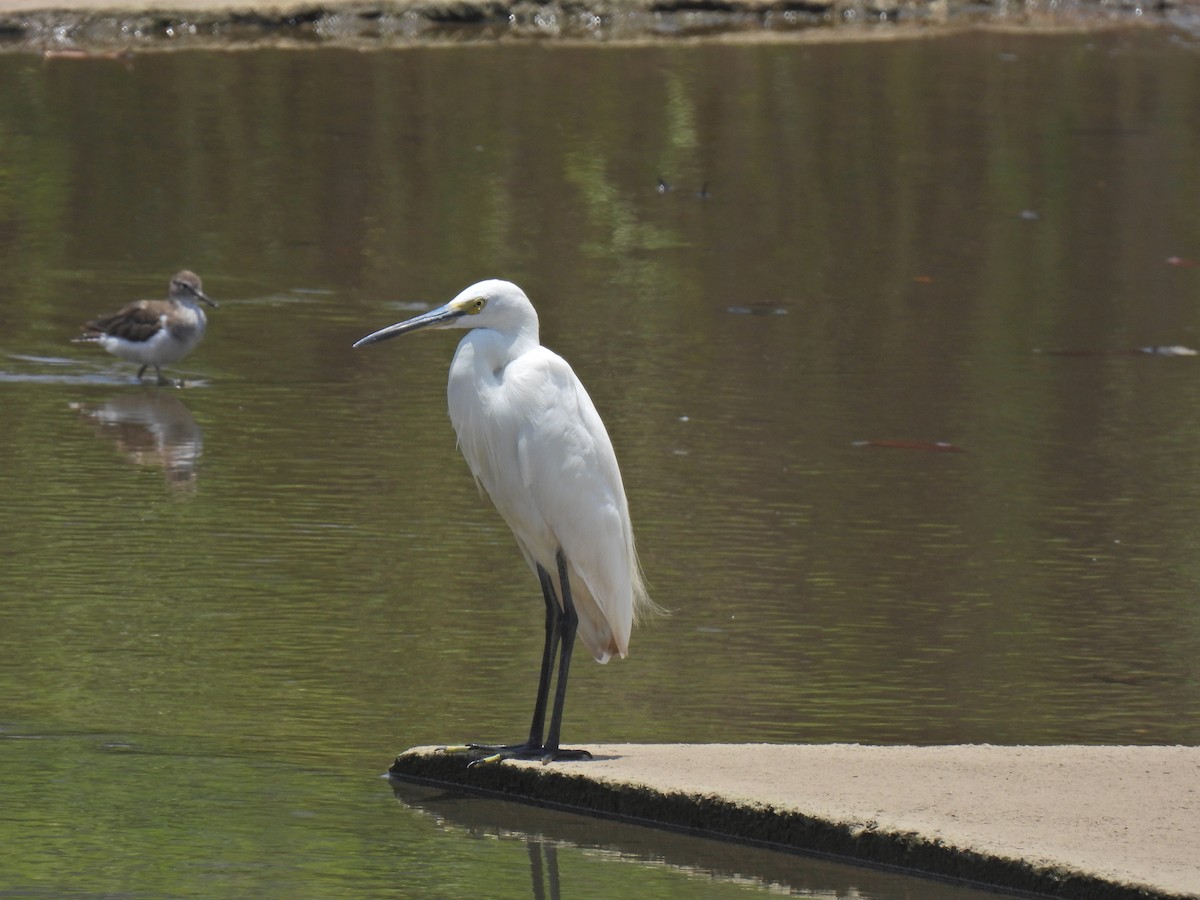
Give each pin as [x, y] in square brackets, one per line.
[154, 332]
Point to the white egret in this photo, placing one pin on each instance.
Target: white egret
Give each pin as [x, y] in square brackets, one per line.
[537, 447]
[154, 332]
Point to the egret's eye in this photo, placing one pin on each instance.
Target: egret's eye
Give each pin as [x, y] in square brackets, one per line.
[477, 305]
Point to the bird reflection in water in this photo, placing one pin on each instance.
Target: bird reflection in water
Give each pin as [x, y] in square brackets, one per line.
[555, 840]
[455, 812]
[543, 868]
[150, 428]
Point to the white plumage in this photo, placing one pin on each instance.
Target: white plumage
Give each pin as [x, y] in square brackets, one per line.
[537, 446]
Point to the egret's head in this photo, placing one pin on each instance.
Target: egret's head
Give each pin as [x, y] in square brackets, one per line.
[498, 305]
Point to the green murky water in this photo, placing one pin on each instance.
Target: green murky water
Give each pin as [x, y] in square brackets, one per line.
[224, 609]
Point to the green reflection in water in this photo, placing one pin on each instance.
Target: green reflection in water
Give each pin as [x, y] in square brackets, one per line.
[288, 566]
[80, 821]
[846, 593]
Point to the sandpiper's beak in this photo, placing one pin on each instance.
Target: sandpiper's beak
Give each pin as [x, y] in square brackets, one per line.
[195, 291]
[443, 315]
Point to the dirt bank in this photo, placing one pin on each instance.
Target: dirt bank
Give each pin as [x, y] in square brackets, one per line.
[108, 25]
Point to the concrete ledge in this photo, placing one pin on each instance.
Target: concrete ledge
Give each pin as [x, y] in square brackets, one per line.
[1072, 821]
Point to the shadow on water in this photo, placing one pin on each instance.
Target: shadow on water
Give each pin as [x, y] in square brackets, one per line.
[550, 836]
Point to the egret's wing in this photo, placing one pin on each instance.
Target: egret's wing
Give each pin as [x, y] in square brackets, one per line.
[536, 445]
[569, 471]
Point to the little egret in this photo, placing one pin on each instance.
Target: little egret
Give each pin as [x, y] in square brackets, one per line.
[154, 332]
[537, 447]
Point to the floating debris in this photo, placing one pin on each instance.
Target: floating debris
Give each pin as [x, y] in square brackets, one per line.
[1181, 262]
[665, 187]
[1172, 350]
[927, 446]
[1175, 350]
[758, 309]
[125, 57]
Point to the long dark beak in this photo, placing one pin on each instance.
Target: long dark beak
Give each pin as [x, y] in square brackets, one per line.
[200, 295]
[440, 316]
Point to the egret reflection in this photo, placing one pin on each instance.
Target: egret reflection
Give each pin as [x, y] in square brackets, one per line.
[555, 841]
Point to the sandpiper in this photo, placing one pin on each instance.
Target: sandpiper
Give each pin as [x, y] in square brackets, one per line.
[155, 332]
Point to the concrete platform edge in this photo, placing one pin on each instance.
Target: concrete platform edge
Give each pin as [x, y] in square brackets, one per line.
[567, 787]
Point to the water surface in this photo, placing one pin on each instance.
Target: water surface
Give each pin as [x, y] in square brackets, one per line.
[788, 275]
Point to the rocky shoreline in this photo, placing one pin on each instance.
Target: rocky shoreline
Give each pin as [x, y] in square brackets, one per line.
[112, 26]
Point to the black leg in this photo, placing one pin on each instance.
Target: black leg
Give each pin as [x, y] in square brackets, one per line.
[549, 650]
[561, 624]
[532, 748]
[568, 625]
[142, 371]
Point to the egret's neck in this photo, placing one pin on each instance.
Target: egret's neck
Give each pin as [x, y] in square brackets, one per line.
[497, 349]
